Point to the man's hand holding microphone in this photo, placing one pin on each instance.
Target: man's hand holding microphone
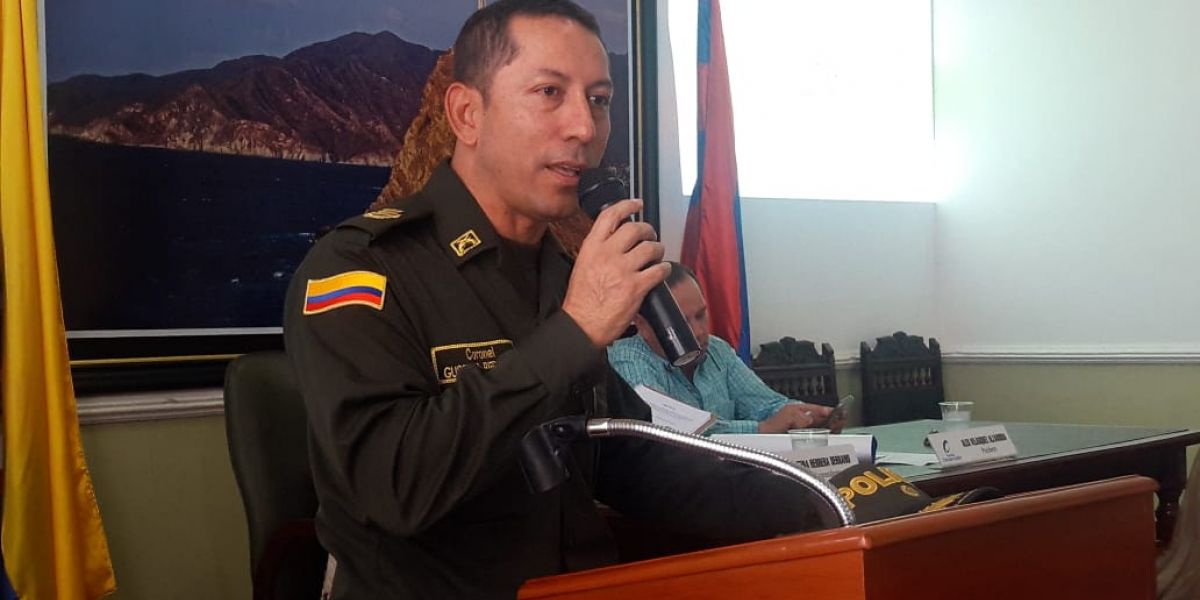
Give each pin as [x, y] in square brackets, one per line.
[611, 276]
[620, 271]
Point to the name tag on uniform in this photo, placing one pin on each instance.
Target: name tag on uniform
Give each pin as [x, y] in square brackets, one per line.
[967, 446]
[450, 359]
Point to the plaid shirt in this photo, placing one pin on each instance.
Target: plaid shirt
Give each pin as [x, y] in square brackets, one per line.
[723, 384]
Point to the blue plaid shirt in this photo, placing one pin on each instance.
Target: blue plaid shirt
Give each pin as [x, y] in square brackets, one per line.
[723, 385]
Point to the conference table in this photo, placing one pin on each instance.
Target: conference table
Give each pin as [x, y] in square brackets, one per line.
[1070, 544]
[1052, 455]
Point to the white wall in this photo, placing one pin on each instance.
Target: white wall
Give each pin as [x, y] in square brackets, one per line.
[1075, 225]
[837, 272]
[1072, 228]
[672, 208]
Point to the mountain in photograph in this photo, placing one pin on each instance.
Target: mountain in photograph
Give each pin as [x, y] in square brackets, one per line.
[346, 100]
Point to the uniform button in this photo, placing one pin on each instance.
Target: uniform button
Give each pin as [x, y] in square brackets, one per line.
[576, 398]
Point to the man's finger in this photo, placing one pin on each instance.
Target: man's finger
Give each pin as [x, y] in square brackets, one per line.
[643, 254]
[629, 235]
[612, 217]
[651, 276]
[816, 409]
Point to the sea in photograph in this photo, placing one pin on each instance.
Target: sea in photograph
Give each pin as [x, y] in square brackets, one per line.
[149, 238]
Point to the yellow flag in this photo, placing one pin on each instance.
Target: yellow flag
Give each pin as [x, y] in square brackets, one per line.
[53, 542]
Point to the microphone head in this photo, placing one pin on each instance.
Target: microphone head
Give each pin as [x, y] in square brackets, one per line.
[598, 188]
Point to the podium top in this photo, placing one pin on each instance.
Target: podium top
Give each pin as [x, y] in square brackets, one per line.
[1047, 525]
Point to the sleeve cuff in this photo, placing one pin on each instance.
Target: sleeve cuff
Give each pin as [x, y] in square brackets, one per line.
[742, 427]
[560, 353]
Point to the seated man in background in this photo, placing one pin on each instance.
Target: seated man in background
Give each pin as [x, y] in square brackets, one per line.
[719, 381]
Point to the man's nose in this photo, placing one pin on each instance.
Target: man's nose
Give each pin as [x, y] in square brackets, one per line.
[580, 123]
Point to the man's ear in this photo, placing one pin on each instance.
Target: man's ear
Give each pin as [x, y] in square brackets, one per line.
[644, 329]
[464, 112]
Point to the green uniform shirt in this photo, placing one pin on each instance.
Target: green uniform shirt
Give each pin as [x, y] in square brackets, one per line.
[422, 367]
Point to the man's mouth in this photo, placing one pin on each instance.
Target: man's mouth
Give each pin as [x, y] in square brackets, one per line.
[569, 170]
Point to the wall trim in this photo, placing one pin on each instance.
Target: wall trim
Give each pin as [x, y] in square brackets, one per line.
[1074, 356]
[182, 404]
[1058, 356]
[151, 406]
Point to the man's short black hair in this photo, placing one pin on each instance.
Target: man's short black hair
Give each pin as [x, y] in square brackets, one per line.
[484, 44]
[678, 272]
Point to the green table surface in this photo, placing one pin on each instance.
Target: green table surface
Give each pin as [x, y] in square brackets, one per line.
[1031, 439]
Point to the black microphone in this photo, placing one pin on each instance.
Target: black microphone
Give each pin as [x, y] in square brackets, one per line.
[597, 189]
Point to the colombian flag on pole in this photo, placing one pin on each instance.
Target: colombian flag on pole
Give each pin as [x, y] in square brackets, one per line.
[53, 542]
[712, 236]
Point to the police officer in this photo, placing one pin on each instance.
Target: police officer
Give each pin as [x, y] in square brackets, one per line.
[429, 338]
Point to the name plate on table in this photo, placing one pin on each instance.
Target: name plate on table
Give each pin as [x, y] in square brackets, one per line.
[781, 443]
[974, 445]
[823, 461]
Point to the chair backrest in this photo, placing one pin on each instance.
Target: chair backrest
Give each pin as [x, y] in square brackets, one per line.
[267, 430]
[793, 368]
[901, 379]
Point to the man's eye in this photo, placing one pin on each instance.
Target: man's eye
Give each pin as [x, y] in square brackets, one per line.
[601, 101]
[549, 91]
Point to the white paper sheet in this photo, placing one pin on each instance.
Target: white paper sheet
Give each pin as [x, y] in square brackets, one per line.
[915, 459]
[669, 412]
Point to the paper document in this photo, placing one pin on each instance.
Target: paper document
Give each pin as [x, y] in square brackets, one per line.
[779, 443]
[669, 412]
[915, 459]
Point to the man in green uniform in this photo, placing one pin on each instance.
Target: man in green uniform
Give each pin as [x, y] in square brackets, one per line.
[430, 338]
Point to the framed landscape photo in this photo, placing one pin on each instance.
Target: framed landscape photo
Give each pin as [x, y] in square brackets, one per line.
[197, 151]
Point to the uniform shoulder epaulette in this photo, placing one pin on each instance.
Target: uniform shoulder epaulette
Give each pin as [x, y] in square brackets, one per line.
[380, 221]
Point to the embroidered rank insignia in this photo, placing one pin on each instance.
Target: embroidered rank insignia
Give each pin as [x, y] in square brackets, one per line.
[942, 502]
[465, 243]
[355, 287]
[385, 213]
[449, 360]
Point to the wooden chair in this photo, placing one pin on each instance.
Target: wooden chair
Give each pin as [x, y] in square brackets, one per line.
[901, 379]
[793, 368]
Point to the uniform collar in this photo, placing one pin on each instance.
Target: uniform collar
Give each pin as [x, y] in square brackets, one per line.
[706, 359]
[462, 228]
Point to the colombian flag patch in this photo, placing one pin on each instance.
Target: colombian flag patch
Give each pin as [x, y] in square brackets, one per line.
[355, 287]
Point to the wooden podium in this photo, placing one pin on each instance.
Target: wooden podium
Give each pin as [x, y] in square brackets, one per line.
[1093, 540]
